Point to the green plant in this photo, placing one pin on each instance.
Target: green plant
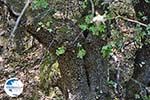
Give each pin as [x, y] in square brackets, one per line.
[45, 26]
[85, 24]
[146, 98]
[95, 29]
[60, 50]
[44, 72]
[38, 4]
[106, 50]
[112, 83]
[81, 52]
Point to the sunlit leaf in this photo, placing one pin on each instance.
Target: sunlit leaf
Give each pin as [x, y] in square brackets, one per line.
[60, 50]
[81, 53]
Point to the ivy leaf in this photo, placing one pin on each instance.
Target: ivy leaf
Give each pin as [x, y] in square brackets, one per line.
[111, 83]
[84, 5]
[81, 53]
[88, 19]
[83, 26]
[37, 4]
[101, 28]
[48, 24]
[93, 29]
[50, 30]
[60, 50]
[106, 50]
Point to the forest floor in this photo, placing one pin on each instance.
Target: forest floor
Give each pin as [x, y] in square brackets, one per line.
[25, 67]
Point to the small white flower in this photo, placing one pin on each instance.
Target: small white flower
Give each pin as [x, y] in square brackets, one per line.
[99, 18]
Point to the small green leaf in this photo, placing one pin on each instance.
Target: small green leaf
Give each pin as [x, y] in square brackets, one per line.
[40, 23]
[93, 30]
[83, 26]
[88, 19]
[50, 30]
[48, 24]
[101, 28]
[79, 45]
[84, 5]
[111, 82]
[106, 50]
[109, 16]
[38, 4]
[60, 50]
[81, 53]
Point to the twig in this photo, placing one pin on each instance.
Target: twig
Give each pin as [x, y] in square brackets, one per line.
[19, 18]
[92, 5]
[118, 73]
[77, 37]
[131, 20]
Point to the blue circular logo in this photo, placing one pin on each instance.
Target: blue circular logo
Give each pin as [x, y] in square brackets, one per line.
[13, 87]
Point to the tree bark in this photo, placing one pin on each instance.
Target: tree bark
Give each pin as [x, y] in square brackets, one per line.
[82, 79]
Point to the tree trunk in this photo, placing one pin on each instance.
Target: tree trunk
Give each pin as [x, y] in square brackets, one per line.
[82, 79]
[141, 83]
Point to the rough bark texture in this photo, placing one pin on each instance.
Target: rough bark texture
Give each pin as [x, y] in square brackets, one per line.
[82, 79]
[96, 68]
[74, 76]
[140, 84]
